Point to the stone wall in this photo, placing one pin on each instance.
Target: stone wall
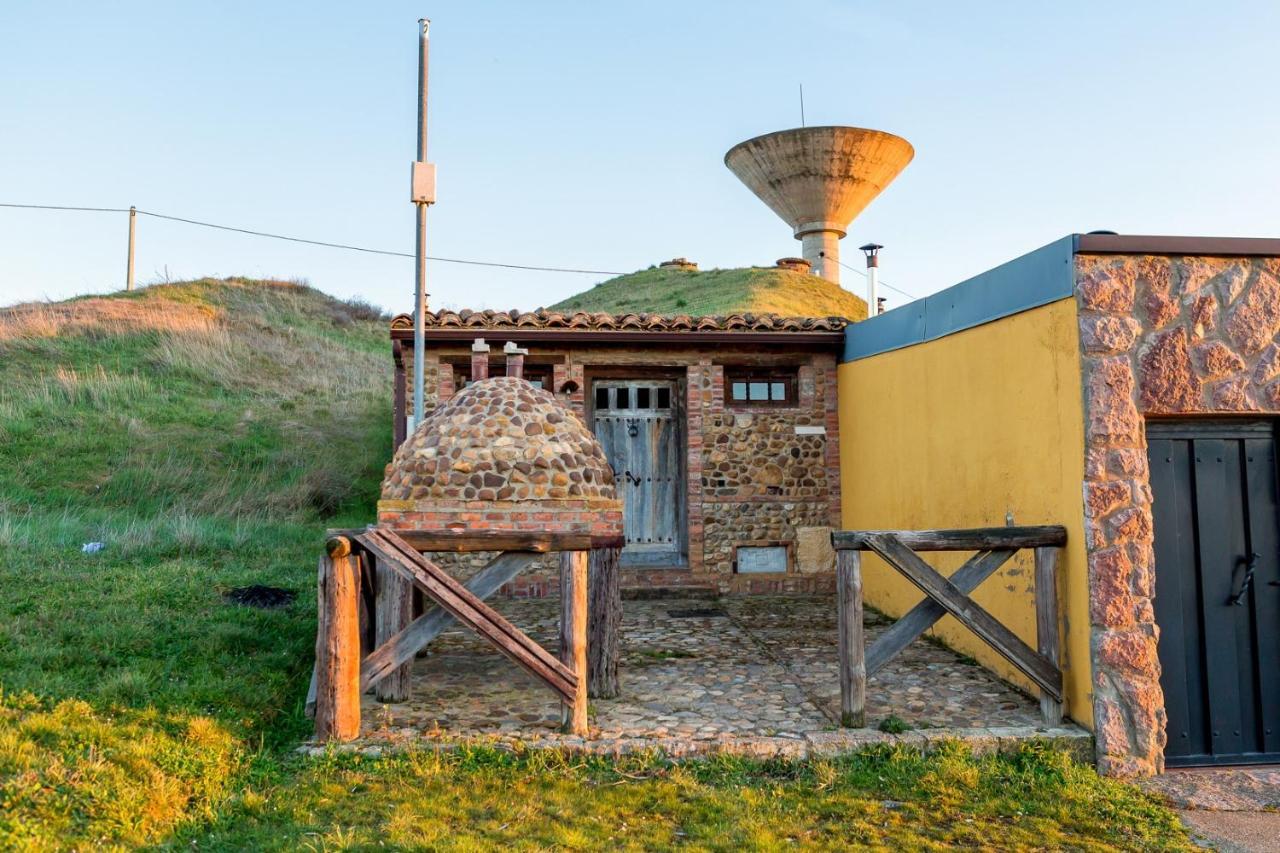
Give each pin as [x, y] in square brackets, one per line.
[1159, 336]
[750, 478]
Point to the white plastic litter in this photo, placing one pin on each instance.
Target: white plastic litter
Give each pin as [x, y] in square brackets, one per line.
[92, 547]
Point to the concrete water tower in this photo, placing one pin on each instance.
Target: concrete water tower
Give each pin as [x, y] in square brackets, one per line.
[818, 179]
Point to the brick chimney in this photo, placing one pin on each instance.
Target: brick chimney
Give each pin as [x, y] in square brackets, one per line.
[515, 359]
[479, 360]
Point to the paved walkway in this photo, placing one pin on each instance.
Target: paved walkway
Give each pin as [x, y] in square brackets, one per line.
[1229, 809]
[751, 674]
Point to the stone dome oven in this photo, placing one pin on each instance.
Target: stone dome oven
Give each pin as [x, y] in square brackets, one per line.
[501, 456]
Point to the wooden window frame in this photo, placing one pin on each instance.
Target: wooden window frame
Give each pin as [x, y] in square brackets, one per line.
[789, 376]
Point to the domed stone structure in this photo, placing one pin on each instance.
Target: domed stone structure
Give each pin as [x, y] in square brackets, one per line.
[501, 455]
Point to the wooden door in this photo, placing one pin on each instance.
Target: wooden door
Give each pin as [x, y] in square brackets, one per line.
[1217, 545]
[638, 424]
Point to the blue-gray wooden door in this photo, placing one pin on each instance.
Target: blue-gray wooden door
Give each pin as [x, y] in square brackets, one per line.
[1217, 547]
[638, 424]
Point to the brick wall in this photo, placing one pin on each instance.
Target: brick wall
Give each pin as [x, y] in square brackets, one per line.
[750, 478]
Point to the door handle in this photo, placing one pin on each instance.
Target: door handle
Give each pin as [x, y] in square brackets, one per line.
[631, 479]
[1250, 566]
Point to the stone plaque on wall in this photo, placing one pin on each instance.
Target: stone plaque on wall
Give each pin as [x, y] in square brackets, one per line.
[760, 559]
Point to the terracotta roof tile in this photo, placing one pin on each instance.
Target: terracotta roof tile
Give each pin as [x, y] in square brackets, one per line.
[605, 322]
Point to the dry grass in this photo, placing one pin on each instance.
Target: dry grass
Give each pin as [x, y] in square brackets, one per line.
[106, 315]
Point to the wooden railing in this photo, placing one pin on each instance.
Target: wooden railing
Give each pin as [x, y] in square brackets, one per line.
[366, 637]
[943, 595]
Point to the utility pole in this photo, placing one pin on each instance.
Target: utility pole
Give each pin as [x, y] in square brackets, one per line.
[872, 251]
[423, 194]
[133, 228]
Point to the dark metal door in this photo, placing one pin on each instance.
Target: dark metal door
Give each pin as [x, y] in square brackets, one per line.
[1217, 546]
[638, 425]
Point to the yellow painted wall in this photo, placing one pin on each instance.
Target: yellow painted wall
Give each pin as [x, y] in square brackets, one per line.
[959, 431]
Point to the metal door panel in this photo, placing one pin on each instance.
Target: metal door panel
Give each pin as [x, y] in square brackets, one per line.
[1215, 489]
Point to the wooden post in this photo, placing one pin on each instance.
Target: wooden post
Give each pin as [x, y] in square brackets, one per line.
[604, 622]
[1047, 642]
[573, 634]
[338, 645]
[393, 611]
[853, 665]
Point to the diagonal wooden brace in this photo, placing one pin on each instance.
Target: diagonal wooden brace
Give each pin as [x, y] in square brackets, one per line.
[920, 618]
[470, 611]
[401, 648]
[1035, 666]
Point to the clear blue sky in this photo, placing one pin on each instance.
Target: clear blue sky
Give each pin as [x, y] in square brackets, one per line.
[592, 134]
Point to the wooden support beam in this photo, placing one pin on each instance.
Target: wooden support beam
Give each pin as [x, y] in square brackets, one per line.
[496, 540]
[604, 623]
[920, 618]
[573, 636]
[401, 648]
[338, 646]
[975, 539]
[853, 668]
[393, 613]
[1036, 667]
[486, 622]
[1047, 637]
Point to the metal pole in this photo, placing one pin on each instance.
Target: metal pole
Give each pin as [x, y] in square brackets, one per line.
[872, 251]
[420, 300]
[133, 226]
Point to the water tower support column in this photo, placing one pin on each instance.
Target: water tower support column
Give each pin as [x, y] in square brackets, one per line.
[821, 248]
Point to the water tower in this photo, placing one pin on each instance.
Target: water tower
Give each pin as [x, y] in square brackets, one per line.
[818, 179]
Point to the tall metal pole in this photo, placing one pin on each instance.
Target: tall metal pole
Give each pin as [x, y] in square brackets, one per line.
[133, 225]
[421, 200]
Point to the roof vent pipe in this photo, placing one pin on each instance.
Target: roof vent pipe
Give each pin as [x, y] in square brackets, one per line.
[874, 303]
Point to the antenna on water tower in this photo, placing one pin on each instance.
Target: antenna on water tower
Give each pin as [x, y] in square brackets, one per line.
[422, 193]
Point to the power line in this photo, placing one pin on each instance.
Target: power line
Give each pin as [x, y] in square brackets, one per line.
[326, 244]
[881, 282]
[67, 207]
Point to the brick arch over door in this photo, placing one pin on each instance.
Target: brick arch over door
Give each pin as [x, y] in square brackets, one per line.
[1160, 336]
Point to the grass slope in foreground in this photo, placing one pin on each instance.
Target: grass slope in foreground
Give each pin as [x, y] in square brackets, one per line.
[710, 292]
[207, 433]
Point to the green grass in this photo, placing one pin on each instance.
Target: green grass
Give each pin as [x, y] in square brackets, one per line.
[208, 432]
[711, 292]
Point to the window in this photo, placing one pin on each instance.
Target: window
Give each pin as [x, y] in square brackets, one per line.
[632, 396]
[761, 387]
[537, 375]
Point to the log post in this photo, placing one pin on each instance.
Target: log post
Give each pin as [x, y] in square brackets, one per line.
[393, 611]
[604, 622]
[573, 635]
[1047, 642]
[338, 645]
[853, 665]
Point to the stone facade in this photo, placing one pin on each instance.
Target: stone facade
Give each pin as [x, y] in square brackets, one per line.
[1159, 336]
[753, 475]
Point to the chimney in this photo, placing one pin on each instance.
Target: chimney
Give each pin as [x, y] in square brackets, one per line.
[479, 360]
[515, 359]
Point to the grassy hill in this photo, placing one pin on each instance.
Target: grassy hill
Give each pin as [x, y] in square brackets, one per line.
[702, 292]
[207, 433]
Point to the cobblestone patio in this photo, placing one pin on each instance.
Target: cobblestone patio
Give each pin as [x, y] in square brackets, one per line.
[755, 674]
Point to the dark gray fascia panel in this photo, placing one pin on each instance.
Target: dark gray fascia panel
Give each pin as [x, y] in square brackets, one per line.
[1037, 278]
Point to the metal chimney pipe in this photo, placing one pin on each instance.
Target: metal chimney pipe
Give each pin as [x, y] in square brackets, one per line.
[872, 251]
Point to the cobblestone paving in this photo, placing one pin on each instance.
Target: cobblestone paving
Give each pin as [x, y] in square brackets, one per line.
[737, 669]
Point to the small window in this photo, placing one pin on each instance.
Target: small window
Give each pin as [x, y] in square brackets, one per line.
[602, 397]
[624, 398]
[762, 388]
[664, 398]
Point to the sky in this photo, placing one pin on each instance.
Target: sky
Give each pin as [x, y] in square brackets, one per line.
[592, 135]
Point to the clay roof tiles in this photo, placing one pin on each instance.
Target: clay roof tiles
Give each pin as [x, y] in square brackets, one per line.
[605, 322]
